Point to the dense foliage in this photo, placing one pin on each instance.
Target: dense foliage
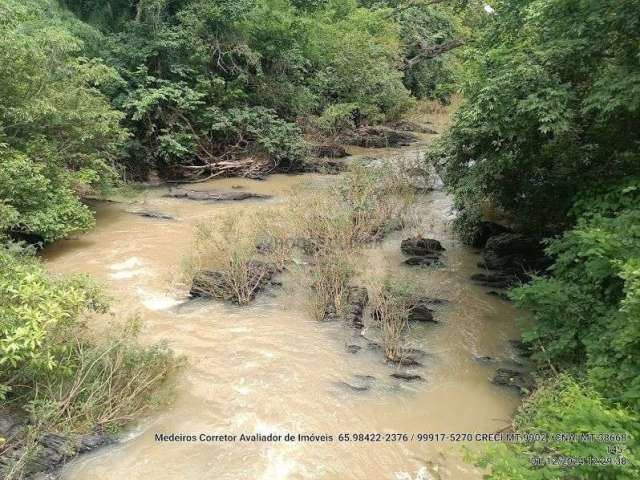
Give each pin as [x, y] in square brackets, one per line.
[552, 94]
[560, 408]
[588, 312]
[92, 92]
[547, 141]
[58, 133]
[197, 63]
[53, 369]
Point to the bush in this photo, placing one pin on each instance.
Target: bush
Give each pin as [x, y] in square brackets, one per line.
[38, 198]
[336, 118]
[233, 258]
[37, 318]
[565, 406]
[377, 199]
[391, 304]
[588, 313]
[543, 119]
[54, 369]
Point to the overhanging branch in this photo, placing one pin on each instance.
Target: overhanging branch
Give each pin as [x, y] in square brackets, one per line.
[427, 52]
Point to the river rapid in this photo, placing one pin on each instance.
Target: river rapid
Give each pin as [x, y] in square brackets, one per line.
[269, 368]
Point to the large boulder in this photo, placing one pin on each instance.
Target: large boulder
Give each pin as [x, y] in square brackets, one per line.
[331, 150]
[421, 247]
[378, 137]
[515, 254]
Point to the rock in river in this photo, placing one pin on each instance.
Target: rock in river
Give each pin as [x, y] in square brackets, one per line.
[152, 214]
[331, 150]
[357, 299]
[421, 247]
[407, 377]
[215, 284]
[514, 378]
[430, 261]
[212, 196]
[359, 383]
[421, 311]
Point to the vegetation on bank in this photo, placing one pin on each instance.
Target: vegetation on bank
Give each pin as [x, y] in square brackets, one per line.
[547, 141]
[93, 93]
[55, 371]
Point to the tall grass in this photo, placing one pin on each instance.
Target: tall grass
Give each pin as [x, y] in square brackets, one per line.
[377, 200]
[233, 257]
[392, 302]
[328, 225]
[329, 276]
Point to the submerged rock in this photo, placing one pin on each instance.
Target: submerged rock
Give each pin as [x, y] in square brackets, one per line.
[152, 214]
[407, 377]
[421, 311]
[358, 383]
[421, 247]
[212, 196]
[485, 359]
[514, 378]
[423, 261]
[494, 280]
[330, 150]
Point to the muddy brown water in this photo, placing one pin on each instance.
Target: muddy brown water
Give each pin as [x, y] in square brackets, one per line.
[270, 368]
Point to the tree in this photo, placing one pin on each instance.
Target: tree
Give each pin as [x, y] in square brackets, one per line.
[551, 109]
[58, 133]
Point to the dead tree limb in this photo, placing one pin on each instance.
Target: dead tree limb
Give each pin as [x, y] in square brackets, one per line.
[427, 52]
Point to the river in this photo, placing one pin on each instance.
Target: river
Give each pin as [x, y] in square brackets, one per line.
[270, 368]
